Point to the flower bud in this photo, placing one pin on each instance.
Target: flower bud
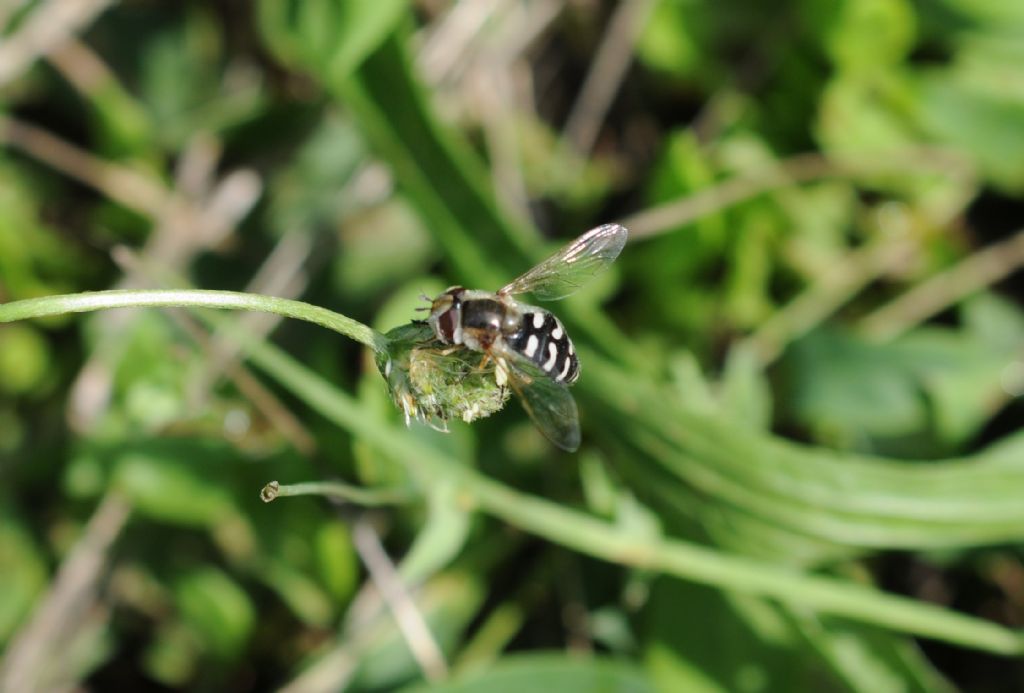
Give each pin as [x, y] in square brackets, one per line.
[435, 382]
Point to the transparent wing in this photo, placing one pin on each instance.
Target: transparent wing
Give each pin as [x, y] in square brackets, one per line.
[549, 403]
[570, 268]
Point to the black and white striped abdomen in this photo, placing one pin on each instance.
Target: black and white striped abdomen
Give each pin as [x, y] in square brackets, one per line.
[543, 340]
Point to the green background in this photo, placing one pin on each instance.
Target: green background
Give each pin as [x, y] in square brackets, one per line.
[801, 465]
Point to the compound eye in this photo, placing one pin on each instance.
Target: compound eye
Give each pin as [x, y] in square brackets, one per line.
[446, 325]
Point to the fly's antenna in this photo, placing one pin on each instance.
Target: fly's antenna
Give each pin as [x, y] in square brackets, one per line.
[428, 299]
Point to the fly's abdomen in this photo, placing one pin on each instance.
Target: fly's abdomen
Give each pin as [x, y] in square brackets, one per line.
[543, 340]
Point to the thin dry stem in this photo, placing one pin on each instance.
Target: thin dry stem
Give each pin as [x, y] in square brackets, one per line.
[129, 188]
[477, 54]
[498, 113]
[44, 30]
[834, 288]
[523, 25]
[801, 168]
[253, 389]
[449, 39]
[606, 73]
[182, 228]
[982, 269]
[407, 615]
[281, 274]
[81, 66]
[33, 658]
[334, 669]
[265, 401]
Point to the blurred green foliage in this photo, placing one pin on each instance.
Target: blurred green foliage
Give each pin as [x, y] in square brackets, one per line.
[770, 375]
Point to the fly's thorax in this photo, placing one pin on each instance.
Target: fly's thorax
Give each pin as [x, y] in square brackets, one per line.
[483, 314]
[486, 319]
[542, 339]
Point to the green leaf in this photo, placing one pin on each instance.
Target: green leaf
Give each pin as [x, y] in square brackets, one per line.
[181, 77]
[746, 644]
[306, 556]
[443, 535]
[994, 13]
[745, 395]
[173, 656]
[305, 196]
[701, 640]
[336, 560]
[994, 320]
[34, 259]
[930, 389]
[850, 392]
[25, 359]
[174, 484]
[667, 42]
[855, 118]
[864, 34]
[330, 37]
[954, 109]
[380, 248]
[868, 660]
[300, 592]
[691, 387]
[437, 170]
[24, 575]
[218, 609]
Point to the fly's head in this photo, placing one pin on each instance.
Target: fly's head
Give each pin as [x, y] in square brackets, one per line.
[446, 316]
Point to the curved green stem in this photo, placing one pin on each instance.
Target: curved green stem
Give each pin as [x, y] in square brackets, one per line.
[180, 298]
[337, 491]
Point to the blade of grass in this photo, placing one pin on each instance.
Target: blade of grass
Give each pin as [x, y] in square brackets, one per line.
[847, 499]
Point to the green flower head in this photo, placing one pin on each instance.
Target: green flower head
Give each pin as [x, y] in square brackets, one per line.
[435, 382]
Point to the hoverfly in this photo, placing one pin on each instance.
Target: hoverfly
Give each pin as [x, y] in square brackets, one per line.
[529, 345]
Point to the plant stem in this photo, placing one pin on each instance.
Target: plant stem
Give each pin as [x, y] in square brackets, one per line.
[178, 298]
[122, 184]
[337, 491]
[34, 655]
[825, 296]
[801, 168]
[976, 272]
